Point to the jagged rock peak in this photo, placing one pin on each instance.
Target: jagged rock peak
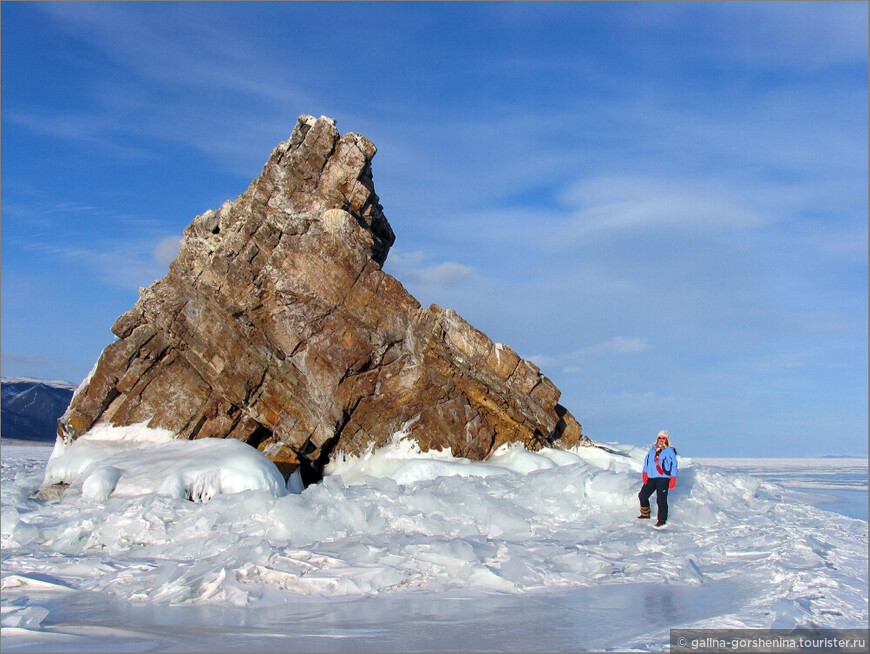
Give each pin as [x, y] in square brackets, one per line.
[276, 325]
[317, 170]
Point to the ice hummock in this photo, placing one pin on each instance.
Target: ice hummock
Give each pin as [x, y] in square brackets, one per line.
[398, 520]
[138, 460]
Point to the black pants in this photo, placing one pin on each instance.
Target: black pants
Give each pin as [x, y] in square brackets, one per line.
[660, 486]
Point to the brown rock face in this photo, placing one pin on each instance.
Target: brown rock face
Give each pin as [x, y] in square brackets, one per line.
[277, 326]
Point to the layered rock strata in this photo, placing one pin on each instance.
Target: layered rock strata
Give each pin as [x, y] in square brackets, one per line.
[276, 325]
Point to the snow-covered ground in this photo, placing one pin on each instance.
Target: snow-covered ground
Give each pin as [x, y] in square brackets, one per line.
[401, 551]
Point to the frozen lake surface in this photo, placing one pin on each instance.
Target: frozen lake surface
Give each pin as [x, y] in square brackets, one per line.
[402, 552]
[836, 484]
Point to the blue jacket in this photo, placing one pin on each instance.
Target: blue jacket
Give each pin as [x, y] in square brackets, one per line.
[667, 461]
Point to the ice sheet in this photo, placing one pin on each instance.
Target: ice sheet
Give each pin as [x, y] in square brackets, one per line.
[401, 543]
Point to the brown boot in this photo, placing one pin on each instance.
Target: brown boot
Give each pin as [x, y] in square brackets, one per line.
[644, 513]
[661, 523]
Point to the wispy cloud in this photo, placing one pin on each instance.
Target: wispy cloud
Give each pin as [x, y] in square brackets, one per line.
[171, 83]
[123, 250]
[30, 216]
[643, 400]
[817, 36]
[166, 250]
[616, 345]
[415, 270]
[214, 52]
[125, 265]
[97, 127]
[572, 362]
[638, 205]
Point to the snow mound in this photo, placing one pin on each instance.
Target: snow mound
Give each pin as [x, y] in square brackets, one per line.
[137, 460]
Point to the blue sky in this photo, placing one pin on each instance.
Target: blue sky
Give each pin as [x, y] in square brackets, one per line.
[665, 205]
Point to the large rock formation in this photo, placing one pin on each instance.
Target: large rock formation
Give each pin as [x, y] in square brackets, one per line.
[277, 326]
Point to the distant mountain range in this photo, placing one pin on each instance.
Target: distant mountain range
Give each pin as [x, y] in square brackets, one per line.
[31, 407]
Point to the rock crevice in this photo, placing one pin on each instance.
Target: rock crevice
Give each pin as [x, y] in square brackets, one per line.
[276, 325]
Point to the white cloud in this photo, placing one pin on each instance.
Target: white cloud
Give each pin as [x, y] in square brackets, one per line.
[410, 268]
[166, 250]
[95, 127]
[572, 362]
[617, 204]
[618, 345]
[406, 260]
[126, 265]
[544, 362]
[644, 400]
[447, 275]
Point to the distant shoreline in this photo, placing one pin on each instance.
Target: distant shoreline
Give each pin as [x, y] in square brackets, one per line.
[797, 459]
[22, 442]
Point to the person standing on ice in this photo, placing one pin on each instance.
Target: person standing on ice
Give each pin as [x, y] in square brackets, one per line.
[659, 475]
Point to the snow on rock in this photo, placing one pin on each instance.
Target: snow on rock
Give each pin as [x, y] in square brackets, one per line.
[137, 460]
[404, 461]
[398, 519]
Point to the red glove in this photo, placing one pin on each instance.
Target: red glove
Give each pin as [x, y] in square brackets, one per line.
[672, 482]
[645, 478]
